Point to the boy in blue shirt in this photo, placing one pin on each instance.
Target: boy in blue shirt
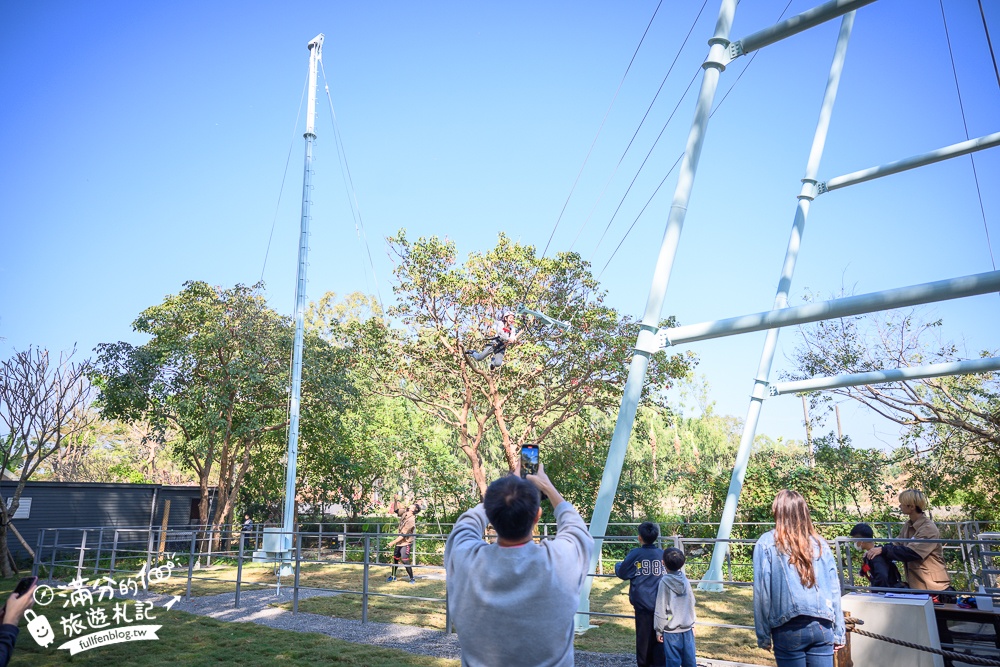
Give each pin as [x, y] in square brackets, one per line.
[642, 568]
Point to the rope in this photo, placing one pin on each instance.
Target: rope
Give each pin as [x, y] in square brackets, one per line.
[676, 162]
[604, 120]
[284, 176]
[717, 107]
[965, 124]
[349, 184]
[989, 42]
[545, 251]
[641, 123]
[962, 657]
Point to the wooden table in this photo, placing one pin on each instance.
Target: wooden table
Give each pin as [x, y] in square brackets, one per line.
[952, 612]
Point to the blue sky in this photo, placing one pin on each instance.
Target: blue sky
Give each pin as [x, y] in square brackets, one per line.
[144, 144]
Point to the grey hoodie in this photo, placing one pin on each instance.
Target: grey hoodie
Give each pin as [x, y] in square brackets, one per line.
[674, 604]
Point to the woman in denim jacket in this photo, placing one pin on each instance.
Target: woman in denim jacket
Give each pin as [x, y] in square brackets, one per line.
[796, 591]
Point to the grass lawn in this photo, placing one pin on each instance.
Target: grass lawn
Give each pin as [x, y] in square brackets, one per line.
[609, 595]
[186, 639]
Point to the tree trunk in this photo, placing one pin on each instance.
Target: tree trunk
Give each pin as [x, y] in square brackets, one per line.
[5, 569]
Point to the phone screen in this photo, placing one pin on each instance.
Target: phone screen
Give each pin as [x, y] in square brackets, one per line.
[25, 584]
[529, 459]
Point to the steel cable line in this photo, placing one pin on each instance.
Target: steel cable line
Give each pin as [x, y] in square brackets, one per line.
[641, 122]
[284, 175]
[965, 125]
[349, 184]
[646, 159]
[677, 161]
[989, 42]
[591, 150]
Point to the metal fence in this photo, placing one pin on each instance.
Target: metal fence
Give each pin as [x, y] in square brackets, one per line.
[84, 553]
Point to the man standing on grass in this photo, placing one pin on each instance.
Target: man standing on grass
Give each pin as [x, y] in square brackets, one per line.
[403, 544]
[513, 602]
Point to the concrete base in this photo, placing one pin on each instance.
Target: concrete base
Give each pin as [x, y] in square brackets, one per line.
[906, 619]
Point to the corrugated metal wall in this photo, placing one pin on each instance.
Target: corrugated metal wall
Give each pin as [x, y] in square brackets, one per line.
[91, 505]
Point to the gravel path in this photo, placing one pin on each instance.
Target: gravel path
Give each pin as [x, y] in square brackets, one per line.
[255, 607]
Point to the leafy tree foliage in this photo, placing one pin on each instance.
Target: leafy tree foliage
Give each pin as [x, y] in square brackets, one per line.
[216, 371]
[951, 424]
[113, 451]
[549, 377]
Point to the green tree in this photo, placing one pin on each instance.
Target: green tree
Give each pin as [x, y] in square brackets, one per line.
[549, 377]
[386, 444]
[216, 371]
[951, 424]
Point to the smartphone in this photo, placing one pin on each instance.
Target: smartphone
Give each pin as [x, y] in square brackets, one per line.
[529, 459]
[25, 585]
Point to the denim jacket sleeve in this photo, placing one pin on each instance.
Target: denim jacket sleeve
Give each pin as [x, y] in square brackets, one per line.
[762, 556]
[833, 579]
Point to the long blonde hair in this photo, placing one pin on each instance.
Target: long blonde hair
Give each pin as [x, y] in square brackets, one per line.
[794, 533]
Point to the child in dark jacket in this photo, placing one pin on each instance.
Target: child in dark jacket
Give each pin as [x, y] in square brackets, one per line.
[642, 568]
[880, 571]
[674, 615]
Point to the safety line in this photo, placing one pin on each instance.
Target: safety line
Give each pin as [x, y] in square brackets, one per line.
[677, 161]
[717, 107]
[545, 251]
[284, 176]
[965, 124]
[641, 123]
[989, 42]
[638, 171]
[349, 182]
[603, 121]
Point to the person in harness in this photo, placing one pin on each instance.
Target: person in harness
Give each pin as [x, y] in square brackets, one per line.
[497, 345]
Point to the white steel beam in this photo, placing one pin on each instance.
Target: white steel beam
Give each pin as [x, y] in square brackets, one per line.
[901, 297]
[964, 367]
[805, 197]
[939, 155]
[794, 25]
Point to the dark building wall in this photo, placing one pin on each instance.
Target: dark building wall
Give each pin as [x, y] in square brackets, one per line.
[95, 505]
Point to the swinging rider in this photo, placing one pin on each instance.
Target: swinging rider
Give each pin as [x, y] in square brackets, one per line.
[497, 345]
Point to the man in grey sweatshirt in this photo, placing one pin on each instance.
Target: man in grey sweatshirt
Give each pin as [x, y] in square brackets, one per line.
[513, 602]
[674, 617]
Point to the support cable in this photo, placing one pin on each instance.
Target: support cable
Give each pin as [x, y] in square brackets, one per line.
[284, 175]
[679, 157]
[349, 184]
[989, 42]
[545, 251]
[646, 159]
[641, 123]
[600, 128]
[965, 124]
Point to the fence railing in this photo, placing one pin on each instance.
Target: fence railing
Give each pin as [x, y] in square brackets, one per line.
[85, 553]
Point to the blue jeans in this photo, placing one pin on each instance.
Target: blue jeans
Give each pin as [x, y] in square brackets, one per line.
[679, 648]
[803, 641]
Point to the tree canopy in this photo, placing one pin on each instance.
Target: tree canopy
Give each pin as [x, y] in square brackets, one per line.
[445, 308]
[951, 425]
[216, 370]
